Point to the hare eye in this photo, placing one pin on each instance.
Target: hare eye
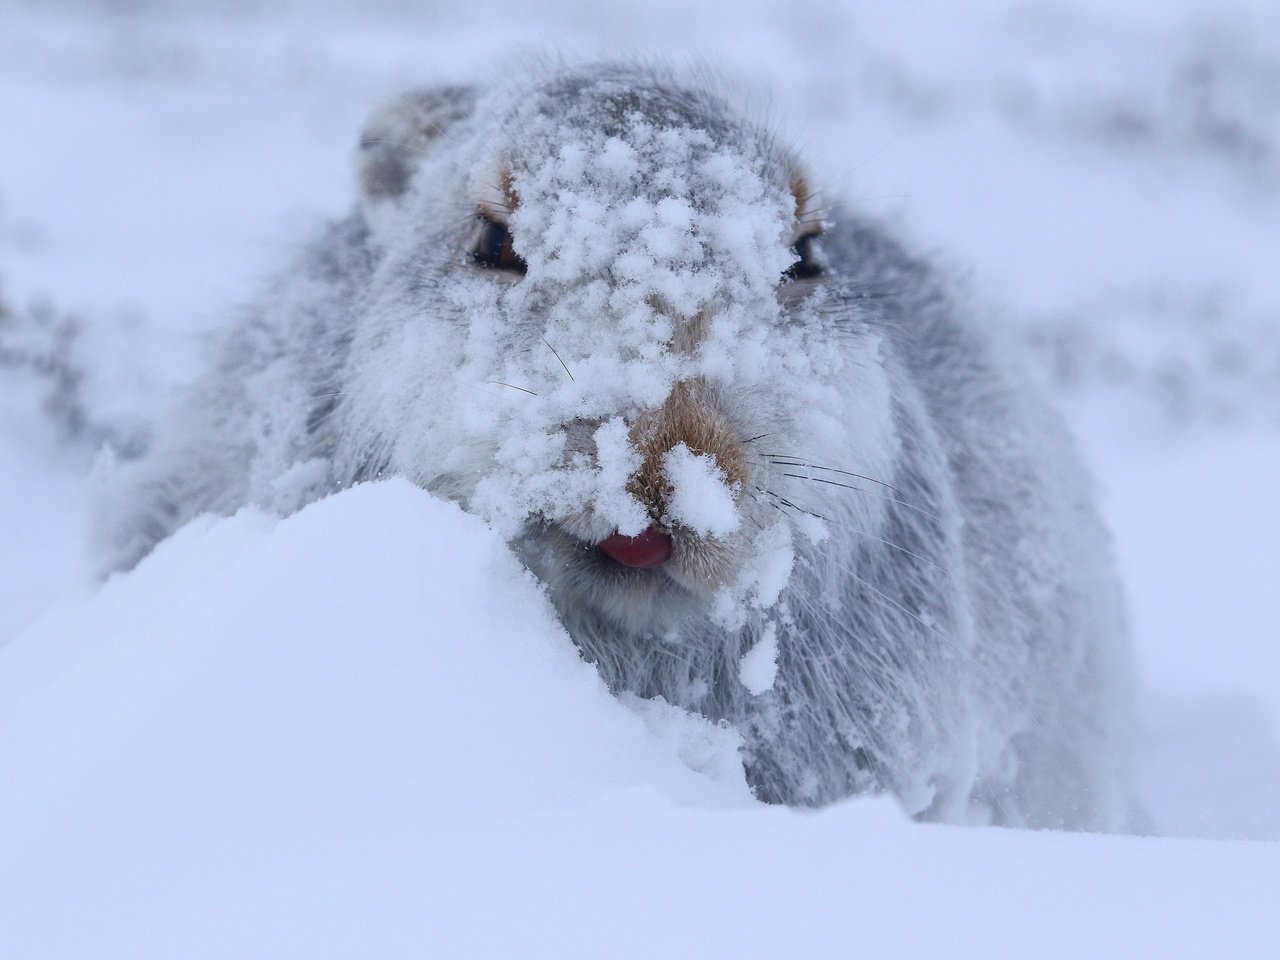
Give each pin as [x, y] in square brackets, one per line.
[810, 263]
[493, 247]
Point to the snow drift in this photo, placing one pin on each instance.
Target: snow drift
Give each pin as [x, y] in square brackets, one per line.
[359, 732]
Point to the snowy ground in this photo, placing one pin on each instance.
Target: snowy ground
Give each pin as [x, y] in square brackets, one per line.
[268, 740]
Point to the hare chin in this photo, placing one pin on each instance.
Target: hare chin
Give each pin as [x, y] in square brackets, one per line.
[639, 599]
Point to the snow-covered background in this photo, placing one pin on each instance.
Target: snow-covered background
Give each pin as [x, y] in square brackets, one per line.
[359, 731]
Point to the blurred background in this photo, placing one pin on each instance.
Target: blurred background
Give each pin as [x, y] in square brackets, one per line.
[1105, 174]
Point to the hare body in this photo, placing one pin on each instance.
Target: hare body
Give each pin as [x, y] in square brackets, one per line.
[605, 313]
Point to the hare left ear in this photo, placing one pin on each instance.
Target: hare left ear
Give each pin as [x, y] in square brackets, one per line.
[396, 138]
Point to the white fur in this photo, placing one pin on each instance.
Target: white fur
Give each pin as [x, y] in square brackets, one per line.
[913, 542]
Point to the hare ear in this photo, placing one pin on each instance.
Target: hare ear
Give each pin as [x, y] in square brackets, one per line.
[396, 138]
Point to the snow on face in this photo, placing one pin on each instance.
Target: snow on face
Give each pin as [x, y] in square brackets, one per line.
[654, 235]
[700, 497]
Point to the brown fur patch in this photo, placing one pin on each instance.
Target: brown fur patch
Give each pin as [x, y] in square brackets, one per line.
[691, 415]
[502, 200]
[808, 212]
[800, 190]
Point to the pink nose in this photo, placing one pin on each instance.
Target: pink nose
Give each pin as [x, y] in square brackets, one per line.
[649, 549]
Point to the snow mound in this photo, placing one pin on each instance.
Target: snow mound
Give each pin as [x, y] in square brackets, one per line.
[359, 731]
[379, 649]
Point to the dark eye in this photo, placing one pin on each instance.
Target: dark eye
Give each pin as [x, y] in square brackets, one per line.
[493, 247]
[810, 263]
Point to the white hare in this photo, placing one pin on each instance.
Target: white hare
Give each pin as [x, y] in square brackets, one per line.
[713, 415]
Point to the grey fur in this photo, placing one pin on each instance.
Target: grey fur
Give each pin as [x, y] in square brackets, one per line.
[956, 639]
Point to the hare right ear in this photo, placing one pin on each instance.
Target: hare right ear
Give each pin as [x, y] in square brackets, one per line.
[396, 138]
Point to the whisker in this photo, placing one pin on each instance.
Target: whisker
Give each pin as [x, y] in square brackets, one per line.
[501, 191]
[786, 460]
[849, 486]
[787, 503]
[834, 483]
[388, 142]
[500, 383]
[558, 357]
[850, 527]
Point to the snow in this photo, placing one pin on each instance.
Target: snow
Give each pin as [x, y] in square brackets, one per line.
[758, 667]
[701, 498]
[360, 732]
